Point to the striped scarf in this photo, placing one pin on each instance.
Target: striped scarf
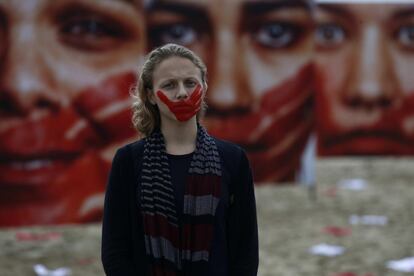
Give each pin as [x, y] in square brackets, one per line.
[175, 247]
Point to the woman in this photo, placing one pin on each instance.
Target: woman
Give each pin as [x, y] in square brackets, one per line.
[178, 202]
[66, 67]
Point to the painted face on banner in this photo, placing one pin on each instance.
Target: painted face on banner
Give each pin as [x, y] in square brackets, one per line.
[364, 79]
[66, 69]
[258, 56]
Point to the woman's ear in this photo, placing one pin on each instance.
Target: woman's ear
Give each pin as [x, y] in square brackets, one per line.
[205, 86]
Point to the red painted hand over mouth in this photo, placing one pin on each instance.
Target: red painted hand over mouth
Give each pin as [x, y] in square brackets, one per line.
[185, 109]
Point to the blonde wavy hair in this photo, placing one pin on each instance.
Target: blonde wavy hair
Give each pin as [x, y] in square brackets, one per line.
[145, 115]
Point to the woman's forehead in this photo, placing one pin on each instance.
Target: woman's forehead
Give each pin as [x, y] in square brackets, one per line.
[204, 7]
[176, 67]
[31, 8]
[368, 12]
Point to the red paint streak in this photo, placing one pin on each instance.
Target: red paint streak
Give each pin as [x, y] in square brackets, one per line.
[185, 109]
[337, 231]
[117, 126]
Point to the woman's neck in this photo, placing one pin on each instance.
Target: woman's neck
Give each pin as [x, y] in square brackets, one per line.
[180, 137]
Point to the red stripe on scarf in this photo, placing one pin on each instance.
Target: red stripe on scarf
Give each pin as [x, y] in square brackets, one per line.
[201, 185]
[197, 237]
[158, 226]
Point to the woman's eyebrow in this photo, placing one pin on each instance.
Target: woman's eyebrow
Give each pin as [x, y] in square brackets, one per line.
[263, 6]
[336, 9]
[188, 10]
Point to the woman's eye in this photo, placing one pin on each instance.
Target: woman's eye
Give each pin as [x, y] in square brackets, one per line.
[405, 36]
[276, 35]
[182, 34]
[91, 33]
[329, 35]
[190, 83]
[168, 85]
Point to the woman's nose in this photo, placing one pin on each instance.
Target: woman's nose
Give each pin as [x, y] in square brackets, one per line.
[182, 92]
[372, 84]
[26, 82]
[229, 89]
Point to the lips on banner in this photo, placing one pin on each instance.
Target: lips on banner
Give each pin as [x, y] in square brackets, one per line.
[275, 135]
[391, 134]
[52, 170]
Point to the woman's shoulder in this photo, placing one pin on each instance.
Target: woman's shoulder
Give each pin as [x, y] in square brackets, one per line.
[229, 150]
[133, 149]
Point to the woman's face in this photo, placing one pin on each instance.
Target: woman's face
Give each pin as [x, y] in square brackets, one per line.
[66, 68]
[258, 56]
[174, 81]
[365, 88]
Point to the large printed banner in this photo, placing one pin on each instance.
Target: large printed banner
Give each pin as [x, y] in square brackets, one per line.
[67, 67]
[365, 78]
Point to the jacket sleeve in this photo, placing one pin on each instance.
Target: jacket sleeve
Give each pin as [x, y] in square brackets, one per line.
[246, 261]
[116, 249]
